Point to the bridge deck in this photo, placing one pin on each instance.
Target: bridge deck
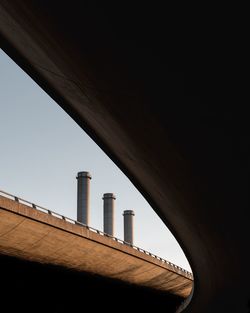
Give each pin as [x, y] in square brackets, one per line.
[28, 233]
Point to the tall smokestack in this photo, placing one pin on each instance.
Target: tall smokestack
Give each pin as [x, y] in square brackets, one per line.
[129, 226]
[108, 213]
[83, 187]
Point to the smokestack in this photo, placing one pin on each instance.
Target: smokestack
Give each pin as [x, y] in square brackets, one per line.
[129, 226]
[83, 186]
[108, 213]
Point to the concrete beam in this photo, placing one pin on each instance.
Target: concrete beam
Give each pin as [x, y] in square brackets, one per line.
[36, 236]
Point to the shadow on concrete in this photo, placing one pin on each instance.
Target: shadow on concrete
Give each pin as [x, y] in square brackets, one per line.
[34, 287]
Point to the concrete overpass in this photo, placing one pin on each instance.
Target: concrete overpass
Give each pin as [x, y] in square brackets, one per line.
[147, 84]
[33, 233]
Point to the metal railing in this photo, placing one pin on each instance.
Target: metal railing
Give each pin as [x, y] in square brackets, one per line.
[72, 221]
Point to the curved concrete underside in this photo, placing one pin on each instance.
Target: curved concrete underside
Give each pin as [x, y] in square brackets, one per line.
[31, 287]
[36, 236]
[135, 88]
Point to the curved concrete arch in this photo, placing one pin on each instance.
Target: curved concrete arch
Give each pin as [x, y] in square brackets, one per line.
[186, 153]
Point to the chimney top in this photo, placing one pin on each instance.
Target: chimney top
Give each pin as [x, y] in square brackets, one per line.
[83, 174]
[128, 212]
[108, 195]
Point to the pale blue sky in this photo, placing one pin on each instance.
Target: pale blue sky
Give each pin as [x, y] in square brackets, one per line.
[42, 149]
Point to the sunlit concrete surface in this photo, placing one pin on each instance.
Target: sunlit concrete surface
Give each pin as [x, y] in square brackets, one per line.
[33, 235]
[152, 96]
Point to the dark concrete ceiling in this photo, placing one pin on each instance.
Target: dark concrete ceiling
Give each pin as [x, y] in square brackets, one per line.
[142, 85]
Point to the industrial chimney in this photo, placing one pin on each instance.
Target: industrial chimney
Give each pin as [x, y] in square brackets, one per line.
[83, 187]
[129, 226]
[108, 213]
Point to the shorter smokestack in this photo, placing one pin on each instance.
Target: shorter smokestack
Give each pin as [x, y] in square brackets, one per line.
[83, 188]
[108, 213]
[129, 226]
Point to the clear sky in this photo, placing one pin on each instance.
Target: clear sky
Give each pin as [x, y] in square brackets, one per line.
[42, 149]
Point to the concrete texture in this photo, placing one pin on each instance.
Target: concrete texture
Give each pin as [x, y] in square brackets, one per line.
[36, 236]
[33, 287]
[152, 91]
